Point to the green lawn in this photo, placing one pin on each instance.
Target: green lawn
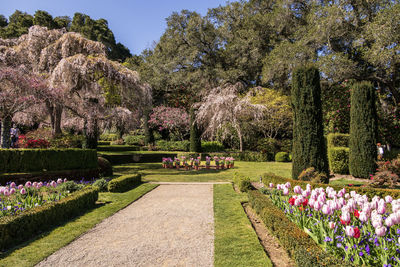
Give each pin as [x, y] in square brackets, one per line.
[34, 251]
[236, 243]
[346, 182]
[154, 172]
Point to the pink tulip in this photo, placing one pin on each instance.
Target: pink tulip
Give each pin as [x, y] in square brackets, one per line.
[59, 181]
[345, 216]
[12, 185]
[35, 184]
[349, 231]
[20, 187]
[380, 231]
[297, 189]
[23, 191]
[288, 185]
[271, 185]
[389, 221]
[388, 199]
[381, 209]
[28, 184]
[317, 205]
[376, 223]
[326, 209]
[332, 225]
[285, 191]
[363, 216]
[65, 180]
[53, 184]
[6, 192]
[40, 185]
[12, 191]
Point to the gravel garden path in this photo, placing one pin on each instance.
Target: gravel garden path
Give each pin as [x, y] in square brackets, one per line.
[171, 226]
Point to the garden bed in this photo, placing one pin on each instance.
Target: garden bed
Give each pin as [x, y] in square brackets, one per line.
[29, 209]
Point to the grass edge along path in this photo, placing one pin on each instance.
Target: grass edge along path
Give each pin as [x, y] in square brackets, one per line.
[59, 237]
[235, 243]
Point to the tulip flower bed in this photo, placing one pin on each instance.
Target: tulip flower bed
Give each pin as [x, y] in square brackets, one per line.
[15, 199]
[346, 224]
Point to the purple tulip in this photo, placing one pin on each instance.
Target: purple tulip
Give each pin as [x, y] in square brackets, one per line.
[13, 185]
[35, 184]
[23, 191]
[12, 191]
[20, 187]
[28, 184]
[53, 184]
[6, 192]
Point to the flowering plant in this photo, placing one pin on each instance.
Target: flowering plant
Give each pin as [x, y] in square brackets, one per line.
[208, 161]
[216, 159]
[349, 225]
[15, 199]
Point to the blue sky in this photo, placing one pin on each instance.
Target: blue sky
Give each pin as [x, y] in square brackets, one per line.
[135, 23]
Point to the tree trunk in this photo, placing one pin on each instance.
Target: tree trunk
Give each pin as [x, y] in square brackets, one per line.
[5, 132]
[56, 127]
[149, 137]
[239, 132]
[91, 135]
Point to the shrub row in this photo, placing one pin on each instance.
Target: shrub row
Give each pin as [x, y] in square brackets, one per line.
[117, 148]
[212, 146]
[301, 248]
[339, 159]
[19, 228]
[242, 182]
[164, 145]
[109, 137]
[282, 157]
[103, 143]
[364, 190]
[124, 183]
[137, 140]
[338, 140]
[30, 160]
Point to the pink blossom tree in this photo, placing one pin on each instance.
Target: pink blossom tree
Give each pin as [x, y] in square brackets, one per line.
[172, 120]
[18, 91]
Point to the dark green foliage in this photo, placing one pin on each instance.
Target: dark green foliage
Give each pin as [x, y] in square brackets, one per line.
[70, 186]
[195, 140]
[3, 21]
[310, 174]
[101, 184]
[124, 183]
[104, 143]
[18, 24]
[105, 168]
[148, 133]
[19, 228]
[137, 140]
[363, 130]
[338, 140]
[211, 146]
[42, 18]
[369, 191]
[243, 183]
[301, 248]
[339, 159]
[309, 147]
[247, 156]
[282, 157]
[163, 145]
[109, 137]
[117, 148]
[31, 160]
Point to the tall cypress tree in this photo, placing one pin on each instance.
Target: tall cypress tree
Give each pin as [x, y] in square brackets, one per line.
[195, 141]
[363, 130]
[309, 147]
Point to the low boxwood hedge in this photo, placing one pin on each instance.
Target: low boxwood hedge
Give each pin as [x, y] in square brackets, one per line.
[339, 159]
[117, 148]
[124, 183]
[31, 160]
[21, 227]
[300, 246]
[363, 190]
[242, 182]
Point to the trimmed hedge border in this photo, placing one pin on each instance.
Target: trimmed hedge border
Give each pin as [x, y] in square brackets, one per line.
[19, 228]
[369, 191]
[117, 148]
[31, 160]
[124, 183]
[339, 159]
[75, 175]
[300, 246]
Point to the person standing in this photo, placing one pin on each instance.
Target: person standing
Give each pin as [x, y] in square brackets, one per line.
[14, 132]
[380, 151]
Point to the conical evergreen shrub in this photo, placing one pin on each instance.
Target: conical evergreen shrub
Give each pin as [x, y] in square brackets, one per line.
[309, 146]
[363, 130]
[195, 140]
